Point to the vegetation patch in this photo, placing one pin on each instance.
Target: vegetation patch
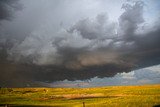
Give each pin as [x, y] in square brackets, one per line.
[111, 96]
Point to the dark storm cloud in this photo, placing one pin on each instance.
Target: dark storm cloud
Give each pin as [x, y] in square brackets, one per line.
[7, 7]
[100, 28]
[130, 19]
[90, 47]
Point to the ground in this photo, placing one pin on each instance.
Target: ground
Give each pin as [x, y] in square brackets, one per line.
[109, 96]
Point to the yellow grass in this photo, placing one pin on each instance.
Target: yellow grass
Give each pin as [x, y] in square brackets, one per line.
[111, 96]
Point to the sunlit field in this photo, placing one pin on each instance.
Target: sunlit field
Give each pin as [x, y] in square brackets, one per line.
[110, 96]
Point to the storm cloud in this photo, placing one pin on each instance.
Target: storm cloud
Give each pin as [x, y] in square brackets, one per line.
[7, 7]
[80, 49]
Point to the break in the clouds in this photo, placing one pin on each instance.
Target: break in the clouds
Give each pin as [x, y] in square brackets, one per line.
[57, 40]
[149, 75]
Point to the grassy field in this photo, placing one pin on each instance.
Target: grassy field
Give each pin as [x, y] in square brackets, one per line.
[111, 96]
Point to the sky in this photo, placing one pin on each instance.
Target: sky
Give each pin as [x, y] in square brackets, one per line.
[148, 75]
[87, 43]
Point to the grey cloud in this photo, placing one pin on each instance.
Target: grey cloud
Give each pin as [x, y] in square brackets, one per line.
[100, 28]
[66, 46]
[7, 7]
[130, 19]
[88, 48]
[138, 77]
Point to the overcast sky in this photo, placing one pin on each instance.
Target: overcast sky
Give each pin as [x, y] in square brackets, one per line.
[50, 41]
